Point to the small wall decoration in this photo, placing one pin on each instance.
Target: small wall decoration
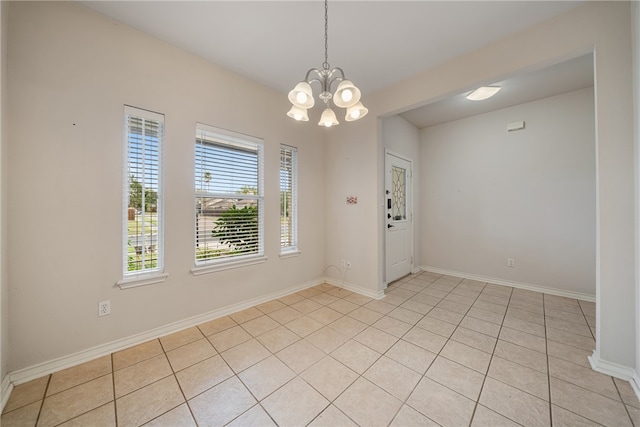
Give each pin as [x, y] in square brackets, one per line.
[352, 200]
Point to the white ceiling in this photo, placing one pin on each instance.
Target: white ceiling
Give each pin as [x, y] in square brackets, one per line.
[553, 80]
[376, 43]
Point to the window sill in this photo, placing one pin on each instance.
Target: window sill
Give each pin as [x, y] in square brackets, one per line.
[226, 265]
[290, 254]
[134, 282]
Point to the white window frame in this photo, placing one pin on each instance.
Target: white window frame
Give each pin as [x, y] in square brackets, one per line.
[222, 137]
[290, 247]
[156, 274]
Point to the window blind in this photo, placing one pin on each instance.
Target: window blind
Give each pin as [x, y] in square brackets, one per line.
[143, 213]
[288, 198]
[229, 195]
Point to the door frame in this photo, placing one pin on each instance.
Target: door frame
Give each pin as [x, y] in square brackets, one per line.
[410, 198]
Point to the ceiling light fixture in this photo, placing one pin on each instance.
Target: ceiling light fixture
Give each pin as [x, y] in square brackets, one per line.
[346, 95]
[482, 93]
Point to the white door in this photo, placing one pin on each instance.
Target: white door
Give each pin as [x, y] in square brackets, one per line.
[398, 217]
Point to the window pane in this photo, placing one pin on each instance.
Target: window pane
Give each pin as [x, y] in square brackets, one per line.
[398, 192]
[226, 169]
[228, 187]
[288, 198]
[143, 222]
[226, 227]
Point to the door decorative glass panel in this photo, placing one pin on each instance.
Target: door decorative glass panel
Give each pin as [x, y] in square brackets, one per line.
[398, 193]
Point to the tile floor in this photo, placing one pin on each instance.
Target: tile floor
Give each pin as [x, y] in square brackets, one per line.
[437, 350]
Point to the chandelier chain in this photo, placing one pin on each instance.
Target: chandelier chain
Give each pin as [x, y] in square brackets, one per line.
[326, 35]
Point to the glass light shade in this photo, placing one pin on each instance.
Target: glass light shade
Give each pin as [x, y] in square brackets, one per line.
[302, 95]
[347, 94]
[299, 114]
[482, 93]
[356, 112]
[328, 118]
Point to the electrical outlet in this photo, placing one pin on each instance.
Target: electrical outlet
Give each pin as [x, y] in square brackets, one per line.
[348, 265]
[104, 308]
[511, 262]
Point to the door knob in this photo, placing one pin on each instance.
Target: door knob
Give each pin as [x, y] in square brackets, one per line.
[389, 225]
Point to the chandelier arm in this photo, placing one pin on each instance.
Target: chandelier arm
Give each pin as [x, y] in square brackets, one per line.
[321, 76]
[313, 70]
[315, 80]
[337, 69]
[324, 78]
[332, 79]
[325, 94]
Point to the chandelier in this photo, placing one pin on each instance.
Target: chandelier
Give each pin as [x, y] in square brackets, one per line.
[346, 94]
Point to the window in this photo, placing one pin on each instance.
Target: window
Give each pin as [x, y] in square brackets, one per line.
[398, 193]
[143, 213]
[288, 199]
[228, 197]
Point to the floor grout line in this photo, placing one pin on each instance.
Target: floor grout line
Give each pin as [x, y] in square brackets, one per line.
[44, 397]
[449, 291]
[546, 347]
[484, 380]
[113, 383]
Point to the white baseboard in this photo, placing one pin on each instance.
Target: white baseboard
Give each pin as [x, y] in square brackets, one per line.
[610, 368]
[355, 288]
[6, 387]
[519, 285]
[36, 371]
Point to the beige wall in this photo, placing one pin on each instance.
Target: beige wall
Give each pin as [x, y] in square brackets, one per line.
[603, 27]
[635, 19]
[351, 229]
[4, 313]
[488, 195]
[70, 73]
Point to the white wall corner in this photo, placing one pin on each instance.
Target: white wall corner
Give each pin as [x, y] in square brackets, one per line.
[613, 369]
[355, 288]
[6, 387]
[635, 13]
[635, 384]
